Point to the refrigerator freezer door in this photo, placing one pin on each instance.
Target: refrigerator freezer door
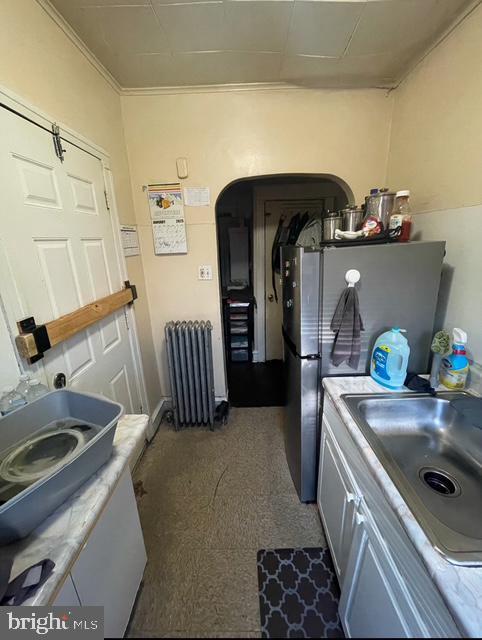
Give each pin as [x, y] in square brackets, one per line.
[398, 288]
[301, 432]
[301, 296]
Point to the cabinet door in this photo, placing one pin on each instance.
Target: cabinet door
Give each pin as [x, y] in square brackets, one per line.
[110, 567]
[67, 596]
[336, 502]
[371, 604]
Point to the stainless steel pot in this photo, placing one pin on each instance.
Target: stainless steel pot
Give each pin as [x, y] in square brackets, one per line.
[330, 225]
[381, 206]
[352, 218]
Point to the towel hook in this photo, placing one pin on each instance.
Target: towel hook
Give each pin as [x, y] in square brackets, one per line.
[352, 276]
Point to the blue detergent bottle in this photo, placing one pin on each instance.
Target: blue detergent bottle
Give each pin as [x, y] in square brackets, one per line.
[390, 359]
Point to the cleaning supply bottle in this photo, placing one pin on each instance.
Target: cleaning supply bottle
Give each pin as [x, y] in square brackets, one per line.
[455, 367]
[35, 390]
[22, 386]
[10, 400]
[390, 359]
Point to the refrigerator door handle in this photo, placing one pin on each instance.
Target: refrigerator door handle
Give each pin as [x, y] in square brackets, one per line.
[291, 346]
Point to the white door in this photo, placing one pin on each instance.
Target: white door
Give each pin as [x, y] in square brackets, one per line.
[274, 209]
[57, 240]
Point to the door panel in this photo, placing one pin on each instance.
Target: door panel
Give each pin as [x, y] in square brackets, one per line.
[369, 605]
[336, 500]
[58, 240]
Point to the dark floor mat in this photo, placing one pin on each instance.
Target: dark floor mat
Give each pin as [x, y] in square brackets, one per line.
[298, 594]
[256, 384]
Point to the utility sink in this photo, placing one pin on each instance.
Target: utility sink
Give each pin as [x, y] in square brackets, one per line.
[433, 454]
[48, 449]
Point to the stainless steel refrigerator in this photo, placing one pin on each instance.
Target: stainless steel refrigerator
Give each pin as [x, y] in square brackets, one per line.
[398, 287]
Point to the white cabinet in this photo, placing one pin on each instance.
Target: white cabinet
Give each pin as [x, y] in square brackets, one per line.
[385, 588]
[67, 596]
[371, 604]
[336, 501]
[110, 566]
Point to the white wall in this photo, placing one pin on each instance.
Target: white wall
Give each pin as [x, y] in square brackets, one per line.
[435, 151]
[460, 299]
[230, 135]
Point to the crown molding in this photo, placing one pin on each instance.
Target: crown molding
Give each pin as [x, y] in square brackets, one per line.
[209, 88]
[60, 21]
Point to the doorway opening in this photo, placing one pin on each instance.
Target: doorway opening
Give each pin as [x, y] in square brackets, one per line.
[254, 217]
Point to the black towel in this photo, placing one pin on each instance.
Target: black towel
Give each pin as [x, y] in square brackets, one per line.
[347, 324]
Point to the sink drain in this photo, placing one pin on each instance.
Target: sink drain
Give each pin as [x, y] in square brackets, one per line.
[440, 481]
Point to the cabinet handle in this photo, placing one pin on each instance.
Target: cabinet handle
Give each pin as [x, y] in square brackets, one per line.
[353, 497]
[359, 518]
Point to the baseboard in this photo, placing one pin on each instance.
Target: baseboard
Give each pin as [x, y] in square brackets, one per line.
[156, 417]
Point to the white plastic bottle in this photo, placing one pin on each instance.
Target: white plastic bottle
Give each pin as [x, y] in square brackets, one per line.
[455, 367]
[390, 359]
[10, 400]
[22, 386]
[35, 390]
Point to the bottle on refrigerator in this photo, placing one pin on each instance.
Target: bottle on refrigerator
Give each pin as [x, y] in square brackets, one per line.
[401, 217]
[10, 400]
[35, 390]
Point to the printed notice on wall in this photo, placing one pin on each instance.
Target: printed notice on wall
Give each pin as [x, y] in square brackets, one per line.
[197, 196]
[167, 218]
[130, 240]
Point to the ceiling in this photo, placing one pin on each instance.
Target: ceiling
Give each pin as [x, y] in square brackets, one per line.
[316, 43]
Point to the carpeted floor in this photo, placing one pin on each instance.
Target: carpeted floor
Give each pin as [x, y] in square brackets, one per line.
[256, 384]
[208, 501]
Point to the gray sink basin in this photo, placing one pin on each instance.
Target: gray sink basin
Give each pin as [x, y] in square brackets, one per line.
[433, 454]
[48, 449]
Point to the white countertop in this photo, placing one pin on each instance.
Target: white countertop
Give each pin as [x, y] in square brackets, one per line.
[62, 535]
[460, 587]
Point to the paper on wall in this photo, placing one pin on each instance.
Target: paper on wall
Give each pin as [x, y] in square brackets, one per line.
[167, 218]
[197, 196]
[130, 240]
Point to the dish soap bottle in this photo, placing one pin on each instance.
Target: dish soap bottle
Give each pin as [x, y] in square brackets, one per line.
[455, 367]
[390, 359]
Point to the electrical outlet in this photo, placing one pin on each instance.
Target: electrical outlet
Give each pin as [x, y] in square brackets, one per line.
[205, 272]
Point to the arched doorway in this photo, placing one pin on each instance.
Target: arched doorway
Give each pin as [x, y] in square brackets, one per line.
[250, 214]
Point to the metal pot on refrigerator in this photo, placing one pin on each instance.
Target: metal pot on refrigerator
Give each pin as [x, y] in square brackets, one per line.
[352, 218]
[380, 205]
[330, 224]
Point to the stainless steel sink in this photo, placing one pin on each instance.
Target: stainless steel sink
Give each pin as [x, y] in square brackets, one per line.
[433, 454]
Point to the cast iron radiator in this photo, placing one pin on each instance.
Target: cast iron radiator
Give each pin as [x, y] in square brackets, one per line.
[190, 358]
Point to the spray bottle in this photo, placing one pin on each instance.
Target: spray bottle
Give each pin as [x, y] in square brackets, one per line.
[455, 367]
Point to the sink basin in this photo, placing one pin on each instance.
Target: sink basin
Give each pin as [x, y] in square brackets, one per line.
[433, 454]
[48, 449]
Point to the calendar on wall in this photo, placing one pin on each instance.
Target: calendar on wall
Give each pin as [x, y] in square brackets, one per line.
[167, 218]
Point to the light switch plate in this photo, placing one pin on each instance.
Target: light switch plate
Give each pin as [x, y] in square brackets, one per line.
[205, 272]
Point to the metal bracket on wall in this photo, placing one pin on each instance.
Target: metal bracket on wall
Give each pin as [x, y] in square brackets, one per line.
[59, 150]
[34, 340]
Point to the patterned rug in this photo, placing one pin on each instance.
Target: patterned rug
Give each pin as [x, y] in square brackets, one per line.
[298, 594]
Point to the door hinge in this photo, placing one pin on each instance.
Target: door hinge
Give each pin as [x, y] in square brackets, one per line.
[107, 204]
[59, 150]
[126, 318]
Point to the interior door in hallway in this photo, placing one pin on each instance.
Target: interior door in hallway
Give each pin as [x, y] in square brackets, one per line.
[273, 211]
[57, 241]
